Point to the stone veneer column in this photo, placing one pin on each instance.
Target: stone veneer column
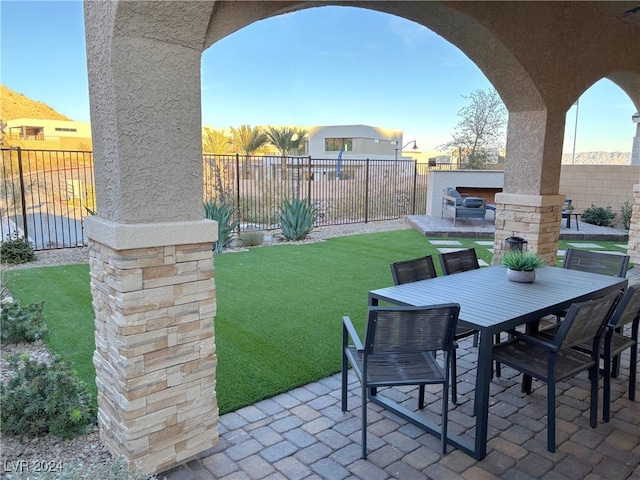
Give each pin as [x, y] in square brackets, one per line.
[536, 218]
[633, 248]
[154, 301]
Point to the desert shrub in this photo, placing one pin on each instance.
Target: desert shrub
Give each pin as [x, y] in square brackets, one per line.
[15, 250]
[598, 216]
[22, 324]
[296, 218]
[223, 214]
[251, 238]
[42, 398]
[625, 215]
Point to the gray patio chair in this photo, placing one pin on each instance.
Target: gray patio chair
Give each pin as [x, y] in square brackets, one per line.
[399, 349]
[616, 341]
[458, 261]
[554, 360]
[594, 262]
[413, 270]
[422, 268]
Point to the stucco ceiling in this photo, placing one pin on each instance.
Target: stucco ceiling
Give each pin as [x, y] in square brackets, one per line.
[627, 11]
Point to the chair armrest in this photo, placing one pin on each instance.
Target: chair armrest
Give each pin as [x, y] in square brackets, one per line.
[349, 328]
[534, 340]
[449, 199]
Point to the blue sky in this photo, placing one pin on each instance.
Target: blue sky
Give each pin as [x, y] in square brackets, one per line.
[322, 66]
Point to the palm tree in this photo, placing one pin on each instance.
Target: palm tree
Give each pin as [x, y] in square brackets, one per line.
[248, 139]
[285, 139]
[217, 143]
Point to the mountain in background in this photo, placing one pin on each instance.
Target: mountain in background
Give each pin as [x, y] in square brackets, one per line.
[14, 105]
[598, 158]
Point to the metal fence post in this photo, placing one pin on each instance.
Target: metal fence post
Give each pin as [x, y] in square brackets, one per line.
[366, 192]
[23, 198]
[415, 186]
[309, 181]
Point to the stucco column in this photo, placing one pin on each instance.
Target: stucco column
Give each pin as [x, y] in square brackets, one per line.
[530, 206]
[154, 301]
[150, 248]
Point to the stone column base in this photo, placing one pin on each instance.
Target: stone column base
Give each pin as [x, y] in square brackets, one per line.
[536, 218]
[154, 300]
[633, 248]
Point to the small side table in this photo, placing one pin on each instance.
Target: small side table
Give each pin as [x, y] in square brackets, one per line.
[570, 213]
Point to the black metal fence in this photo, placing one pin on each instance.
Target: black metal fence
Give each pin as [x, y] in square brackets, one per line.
[345, 191]
[45, 194]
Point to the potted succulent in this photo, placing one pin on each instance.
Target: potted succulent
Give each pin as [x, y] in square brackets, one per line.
[521, 266]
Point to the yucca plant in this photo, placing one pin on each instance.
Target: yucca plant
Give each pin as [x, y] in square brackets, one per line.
[296, 218]
[223, 214]
[522, 261]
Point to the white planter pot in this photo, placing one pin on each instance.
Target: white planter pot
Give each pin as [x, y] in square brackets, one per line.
[521, 276]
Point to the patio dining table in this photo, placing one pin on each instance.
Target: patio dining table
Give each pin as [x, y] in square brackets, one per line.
[489, 303]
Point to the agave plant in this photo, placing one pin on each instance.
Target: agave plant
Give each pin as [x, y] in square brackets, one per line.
[522, 261]
[296, 218]
[223, 214]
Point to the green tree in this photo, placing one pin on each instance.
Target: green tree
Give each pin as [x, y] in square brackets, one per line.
[215, 142]
[247, 140]
[286, 140]
[480, 130]
[3, 126]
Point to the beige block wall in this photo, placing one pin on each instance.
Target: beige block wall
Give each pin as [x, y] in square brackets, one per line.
[599, 185]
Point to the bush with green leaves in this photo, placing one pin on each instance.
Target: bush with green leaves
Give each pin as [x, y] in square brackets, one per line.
[222, 213]
[15, 250]
[22, 324]
[598, 216]
[42, 398]
[522, 261]
[626, 210]
[297, 218]
[251, 238]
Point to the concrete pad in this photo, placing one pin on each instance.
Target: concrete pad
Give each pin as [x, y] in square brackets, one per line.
[585, 245]
[612, 252]
[484, 242]
[444, 242]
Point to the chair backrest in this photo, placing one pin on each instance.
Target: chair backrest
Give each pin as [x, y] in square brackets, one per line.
[409, 329]
[413, 270]
[596, 262]
[585, 321]
[628, 309]
[459, 261]
[452, 192]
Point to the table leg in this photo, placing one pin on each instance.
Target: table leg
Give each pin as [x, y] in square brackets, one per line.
[577, 223]
[481, 406]
[568, 225]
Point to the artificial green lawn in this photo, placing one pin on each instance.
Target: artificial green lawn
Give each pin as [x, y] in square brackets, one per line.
[280, 308]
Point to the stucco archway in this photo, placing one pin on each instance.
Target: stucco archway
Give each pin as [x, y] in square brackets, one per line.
[151, 264]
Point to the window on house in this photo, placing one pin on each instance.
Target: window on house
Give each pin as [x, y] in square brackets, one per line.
[65, 129]
[336, 144]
